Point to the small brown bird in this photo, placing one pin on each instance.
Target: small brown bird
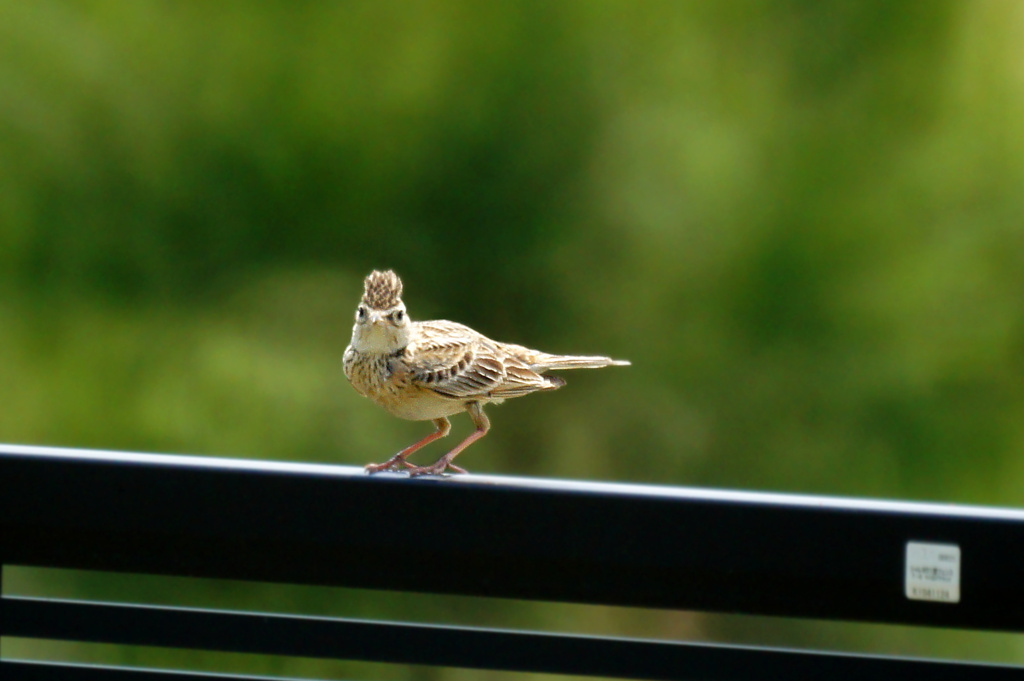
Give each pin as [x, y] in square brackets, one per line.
[431, 370]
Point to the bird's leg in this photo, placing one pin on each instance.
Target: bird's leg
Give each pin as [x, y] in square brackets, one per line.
[443, 428]
[476, 412]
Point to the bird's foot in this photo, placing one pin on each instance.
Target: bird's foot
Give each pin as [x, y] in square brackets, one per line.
[436, 468]
[395, 463]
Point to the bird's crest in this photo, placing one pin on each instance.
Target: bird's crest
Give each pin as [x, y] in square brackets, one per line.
[382, 290]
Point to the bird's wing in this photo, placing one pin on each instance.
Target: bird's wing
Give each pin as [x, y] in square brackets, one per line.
[453, 360]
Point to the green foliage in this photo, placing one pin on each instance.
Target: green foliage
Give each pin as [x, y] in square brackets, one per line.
[801, 221]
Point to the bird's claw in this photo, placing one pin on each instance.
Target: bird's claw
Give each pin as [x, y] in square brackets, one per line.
[393, 464]
[436, 468]
[396, 463]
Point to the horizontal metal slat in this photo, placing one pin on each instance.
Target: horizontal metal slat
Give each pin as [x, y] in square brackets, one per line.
[30, 670]
[630, 545]
[229, 631]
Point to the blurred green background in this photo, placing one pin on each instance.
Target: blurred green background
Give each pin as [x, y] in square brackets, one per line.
[801, 221]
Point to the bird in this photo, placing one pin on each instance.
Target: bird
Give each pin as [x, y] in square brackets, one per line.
[430, 370]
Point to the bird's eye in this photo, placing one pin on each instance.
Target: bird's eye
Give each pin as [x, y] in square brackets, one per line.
[399, 315]
[361, 313]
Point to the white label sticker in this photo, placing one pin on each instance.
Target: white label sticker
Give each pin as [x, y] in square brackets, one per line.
[933, 572]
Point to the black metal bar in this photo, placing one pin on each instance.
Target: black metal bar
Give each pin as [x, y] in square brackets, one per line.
[462, 646]
[531, 539]
[25, 670]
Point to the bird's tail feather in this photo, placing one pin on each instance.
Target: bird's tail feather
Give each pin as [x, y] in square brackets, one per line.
[542, 361]
[555, 362]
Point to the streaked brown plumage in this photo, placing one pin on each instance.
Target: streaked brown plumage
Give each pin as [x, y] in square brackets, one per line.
[431, 370]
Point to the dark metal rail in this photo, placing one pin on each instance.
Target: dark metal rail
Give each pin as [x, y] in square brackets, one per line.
[627, 545]
[448, 646]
